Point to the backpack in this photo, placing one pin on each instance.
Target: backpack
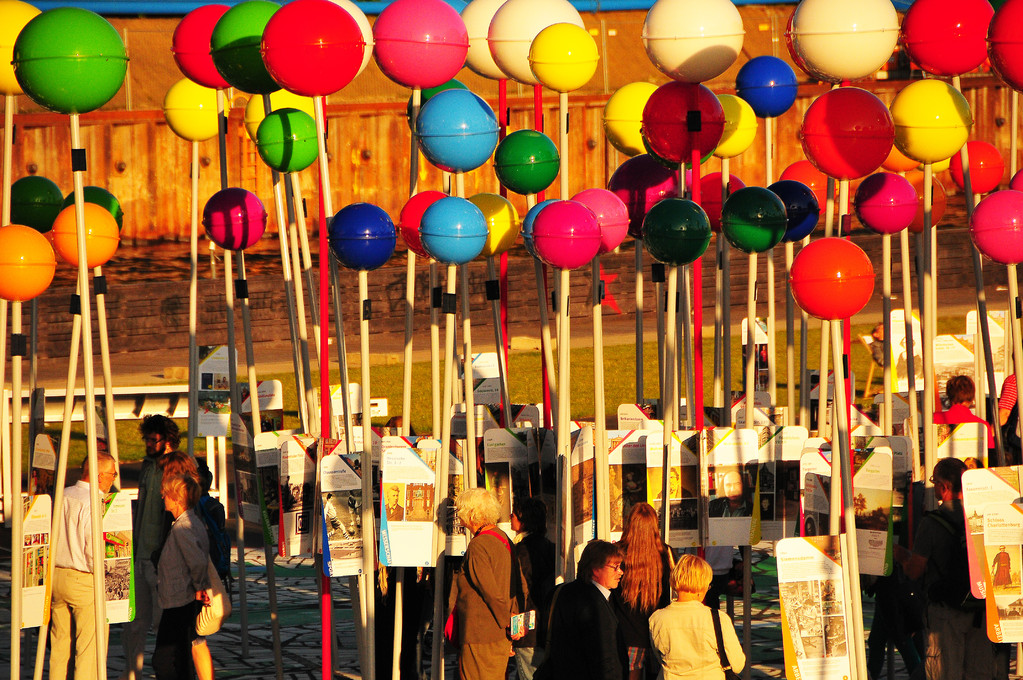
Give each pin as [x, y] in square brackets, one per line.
[953, 587]
[212, 513]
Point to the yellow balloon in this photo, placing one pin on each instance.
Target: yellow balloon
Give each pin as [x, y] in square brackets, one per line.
[938, 166]
[932, 120]
[191, 110]
[740, 126]
[502, 222]
[15, 15]
[281, 99]
[623, 117]
[563, 57]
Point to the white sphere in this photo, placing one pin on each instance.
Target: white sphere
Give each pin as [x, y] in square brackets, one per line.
[364, 28]
[693, 41]
[515, 25]
[477, 16]
[844, 40]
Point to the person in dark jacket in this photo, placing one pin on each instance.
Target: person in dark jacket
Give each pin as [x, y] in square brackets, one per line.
[535, 554]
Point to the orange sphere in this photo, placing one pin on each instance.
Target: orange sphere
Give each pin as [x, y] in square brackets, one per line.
[804, 171]
[938, 200]
[898, 161]
[26, 263]
[101, 235]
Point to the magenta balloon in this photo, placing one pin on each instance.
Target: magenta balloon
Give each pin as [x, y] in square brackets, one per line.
[885, 203]
[612, 216]
[1017, 181]
[997, 226]
[420, 43]
[566, 235]
[641, 182]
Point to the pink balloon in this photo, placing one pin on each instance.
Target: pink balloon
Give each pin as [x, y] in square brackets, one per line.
[997, 226]
[885, 203]
[612, 216]
[641, 182]
[566, 235]
[420, 43]
[1017, 181]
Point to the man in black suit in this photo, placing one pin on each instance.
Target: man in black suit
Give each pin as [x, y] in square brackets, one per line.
[583, 639]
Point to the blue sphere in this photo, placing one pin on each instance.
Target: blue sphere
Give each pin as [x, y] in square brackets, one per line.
[527, 224]
[768, 84]
[457, 130]
[362, 236]
[802, 211]
[453, 230]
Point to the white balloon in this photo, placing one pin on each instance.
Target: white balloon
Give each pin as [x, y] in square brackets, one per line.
[844, 41]
[364, 28]
[515, 25]
[477, 16]
[693, 41]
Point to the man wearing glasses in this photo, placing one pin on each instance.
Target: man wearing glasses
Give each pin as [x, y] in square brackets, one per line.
[160, 435]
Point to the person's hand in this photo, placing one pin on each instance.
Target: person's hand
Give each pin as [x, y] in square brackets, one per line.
[518, 636]
[204, 596]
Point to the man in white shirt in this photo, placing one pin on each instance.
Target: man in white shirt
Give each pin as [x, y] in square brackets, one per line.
[72, 578]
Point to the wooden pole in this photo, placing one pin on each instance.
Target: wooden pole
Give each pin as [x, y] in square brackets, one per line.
[907, 307]
[726, 305]
[499, 342]
[639, 320]
[410, 272]
[751, 324]
[928, 332]
[886, 320]
[670, 409]
[368, 534]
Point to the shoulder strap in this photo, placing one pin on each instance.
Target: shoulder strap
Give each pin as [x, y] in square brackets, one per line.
[716, 616]
[499, 535]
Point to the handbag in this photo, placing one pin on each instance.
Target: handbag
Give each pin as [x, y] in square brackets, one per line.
[212, 615]
[725, 666]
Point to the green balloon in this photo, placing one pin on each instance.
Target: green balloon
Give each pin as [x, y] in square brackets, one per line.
[235, 46]
[69, 60]
[527, 162]
[753, 219]
[676, 231]
[35, 202]
[428, 93]
[286, 140]
[102, 198]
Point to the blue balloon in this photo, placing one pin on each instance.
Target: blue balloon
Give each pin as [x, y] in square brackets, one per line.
[802, 210]
[768, 84]
[362, 236]
[527, 224]
[457, 130]
[453, 230]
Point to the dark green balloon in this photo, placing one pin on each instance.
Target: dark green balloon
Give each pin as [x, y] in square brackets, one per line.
[286, 140]
[102, 198]
[35, 202]
[235, 46]
[427, 93]
[527, 162]
[676, 231]
[753, 219]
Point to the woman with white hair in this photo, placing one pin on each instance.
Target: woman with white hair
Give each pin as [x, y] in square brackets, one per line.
[483, 591]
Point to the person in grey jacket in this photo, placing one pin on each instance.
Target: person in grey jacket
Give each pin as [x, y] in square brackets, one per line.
[183, 584]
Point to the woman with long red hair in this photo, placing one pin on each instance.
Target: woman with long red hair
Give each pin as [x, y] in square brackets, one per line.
[644, 588]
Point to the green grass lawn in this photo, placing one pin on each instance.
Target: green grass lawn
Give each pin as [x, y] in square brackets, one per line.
[525, 386]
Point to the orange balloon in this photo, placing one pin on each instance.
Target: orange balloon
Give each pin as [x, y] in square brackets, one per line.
[804, 171]
[938, 200]
[101, 235]
[898, 161]
[26, 263]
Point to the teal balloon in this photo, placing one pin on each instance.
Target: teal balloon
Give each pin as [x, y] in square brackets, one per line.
[286, 140]
[428, 92]
[676, 231]
[235, 46]
[527, 161]
[69, 60]
[102, 198]
[753, 219]
[35, 202]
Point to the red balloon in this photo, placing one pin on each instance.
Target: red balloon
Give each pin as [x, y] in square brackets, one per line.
[938, 200]
[847, 133]
[710, 196]
[805, 172]
[797, 59]
[832, 278]
[1005, 43]
[312, 47]
[666, 121]
[410, 217]
[947, 37]
[191, 46]
[986, 168]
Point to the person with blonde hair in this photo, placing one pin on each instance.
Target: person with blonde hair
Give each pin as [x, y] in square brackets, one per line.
[644, 587]
[683, 634]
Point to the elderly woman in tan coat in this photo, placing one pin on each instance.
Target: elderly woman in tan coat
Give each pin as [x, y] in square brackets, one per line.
[682, 634]
[483, 590]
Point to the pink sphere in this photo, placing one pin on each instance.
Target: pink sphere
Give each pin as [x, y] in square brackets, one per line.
[612, 215]
[847, 133]
[566, 235]
[234, 218]
[191, 46]
[312, 47]
[1005, 43]
[885, 203]
[420, 43]
[710, 196]
[947, 37]
[1017, 181]
[997, 226]
[641, 182]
